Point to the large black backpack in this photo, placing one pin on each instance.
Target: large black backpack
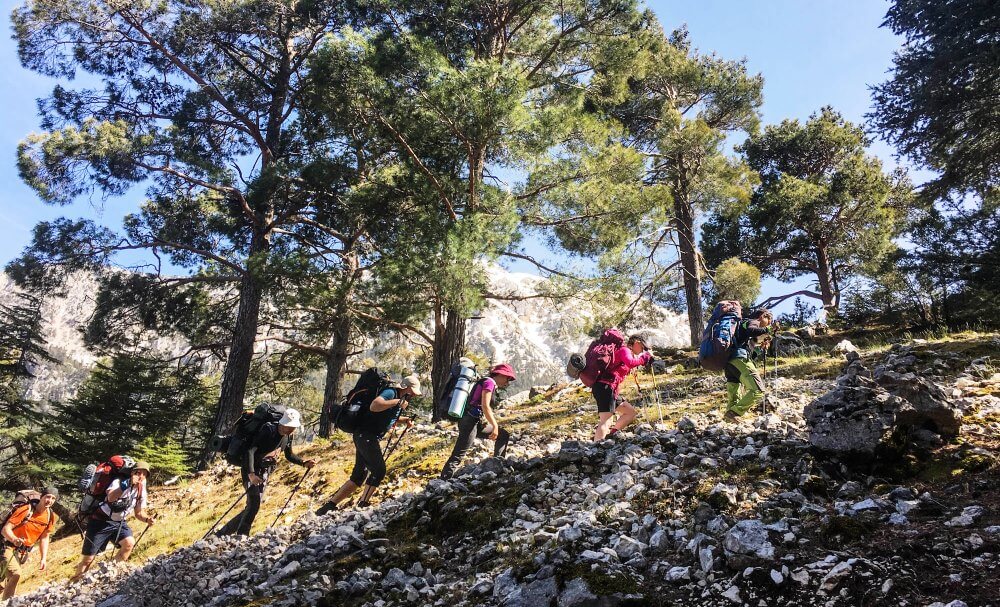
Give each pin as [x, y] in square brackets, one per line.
[247, 427]
[348, 415]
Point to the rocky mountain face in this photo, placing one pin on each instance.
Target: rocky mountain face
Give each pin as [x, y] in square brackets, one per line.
[701, 512]
[536, 336]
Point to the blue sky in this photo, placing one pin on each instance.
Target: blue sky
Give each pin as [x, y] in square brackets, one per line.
[810, 52]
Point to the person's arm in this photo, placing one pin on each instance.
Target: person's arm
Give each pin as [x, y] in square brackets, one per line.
[753, 329]
[625, 357]
[383, 404]
[43, 550]
[295, 459]
[8, 529]
[140, 507]
[485, 401]
[115, 491]
[248, 461]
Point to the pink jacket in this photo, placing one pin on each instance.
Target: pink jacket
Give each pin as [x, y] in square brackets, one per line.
[623, 362]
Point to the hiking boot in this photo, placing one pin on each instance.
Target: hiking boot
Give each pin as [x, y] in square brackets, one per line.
[327, 507]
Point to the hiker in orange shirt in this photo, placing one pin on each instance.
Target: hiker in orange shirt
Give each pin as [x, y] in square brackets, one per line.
[27, 525]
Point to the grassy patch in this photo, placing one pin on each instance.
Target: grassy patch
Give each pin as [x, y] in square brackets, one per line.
[846, 530]
[598, 581]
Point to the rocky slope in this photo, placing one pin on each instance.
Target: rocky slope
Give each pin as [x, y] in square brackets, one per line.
[697, 512]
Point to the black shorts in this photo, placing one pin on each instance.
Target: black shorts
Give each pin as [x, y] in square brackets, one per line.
[607, 402]
[100, 532]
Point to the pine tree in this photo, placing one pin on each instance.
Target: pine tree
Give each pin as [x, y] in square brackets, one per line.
[26, 437]
[824, 207]
[130, 399]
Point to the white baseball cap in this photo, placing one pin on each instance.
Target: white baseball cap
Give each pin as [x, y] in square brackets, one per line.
[411, 381]
[291, 418]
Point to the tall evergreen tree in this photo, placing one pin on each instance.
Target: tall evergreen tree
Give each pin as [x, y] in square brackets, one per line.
[681, 107]
[26, 440]
[202, 101]
[940, 105]
[824, 207]
[462, 91]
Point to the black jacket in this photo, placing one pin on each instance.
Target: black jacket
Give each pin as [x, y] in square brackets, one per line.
[746, 330]
[266, 441]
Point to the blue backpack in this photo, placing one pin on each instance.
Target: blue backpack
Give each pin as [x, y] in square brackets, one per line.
[717, 339]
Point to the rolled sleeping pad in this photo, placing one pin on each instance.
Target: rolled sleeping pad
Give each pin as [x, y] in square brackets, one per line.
[460, 394]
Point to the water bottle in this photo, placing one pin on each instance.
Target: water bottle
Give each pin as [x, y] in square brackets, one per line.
[460, 394]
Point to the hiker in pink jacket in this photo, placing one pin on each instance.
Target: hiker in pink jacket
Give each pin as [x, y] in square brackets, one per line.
[629, 356]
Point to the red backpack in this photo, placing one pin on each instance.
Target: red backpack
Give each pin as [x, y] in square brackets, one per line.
[599, 355]
[97, 478]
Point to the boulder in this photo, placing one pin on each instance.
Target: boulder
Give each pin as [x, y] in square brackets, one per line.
[576, 594]
[748, 539]
[867, 408]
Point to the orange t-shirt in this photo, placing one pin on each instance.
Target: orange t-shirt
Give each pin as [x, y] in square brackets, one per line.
[29, 526]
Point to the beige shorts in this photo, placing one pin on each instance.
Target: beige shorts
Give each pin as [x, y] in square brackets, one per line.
[11, 565]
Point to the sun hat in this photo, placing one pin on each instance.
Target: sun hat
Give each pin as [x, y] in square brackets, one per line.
[411, 381]
[505, 370]
[291, 418]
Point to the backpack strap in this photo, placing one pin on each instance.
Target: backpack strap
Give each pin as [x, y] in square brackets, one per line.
[26, 517]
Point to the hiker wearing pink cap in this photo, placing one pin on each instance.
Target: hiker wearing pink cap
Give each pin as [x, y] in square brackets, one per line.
[629, 355]
[479, 420]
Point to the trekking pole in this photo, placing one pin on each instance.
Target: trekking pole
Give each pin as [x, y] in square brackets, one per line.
[118, 535]
[294, 490]
[392, 435]
[391, 450]
[763, 401]
[656, 392]
[639, 388]
[139, 539]
[238, 500]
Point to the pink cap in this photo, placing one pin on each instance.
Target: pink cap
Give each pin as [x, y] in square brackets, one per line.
[505, 370]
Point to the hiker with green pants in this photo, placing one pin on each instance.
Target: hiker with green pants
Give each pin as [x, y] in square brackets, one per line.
[740, 369]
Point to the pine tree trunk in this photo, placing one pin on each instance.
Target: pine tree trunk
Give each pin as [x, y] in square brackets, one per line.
[237, 371]
[449, 346]
[684, 223]
[824, 276]
[336, 363]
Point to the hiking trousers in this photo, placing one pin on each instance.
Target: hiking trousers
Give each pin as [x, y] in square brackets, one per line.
[368, 460]
[243, 521]
[470, 428]
[743, 372]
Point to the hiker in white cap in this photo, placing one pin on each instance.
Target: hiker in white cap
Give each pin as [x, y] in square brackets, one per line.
[384, 412]
[258, 463]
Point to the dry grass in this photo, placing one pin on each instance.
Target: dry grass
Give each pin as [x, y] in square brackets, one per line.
[186, 511]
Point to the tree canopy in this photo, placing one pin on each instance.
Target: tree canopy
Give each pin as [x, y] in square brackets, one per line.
[940, 105]
[824, 206]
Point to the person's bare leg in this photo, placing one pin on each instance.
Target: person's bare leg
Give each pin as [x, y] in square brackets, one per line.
[125, 549]
[82, 567]
[345, 491]
[366, 495]
[10, 585]
[626, 415]
[603, 426]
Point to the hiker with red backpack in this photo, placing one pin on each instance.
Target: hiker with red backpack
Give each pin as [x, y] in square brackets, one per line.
[376, 419]
[258, 459]
[107, 523]
[479, 419]
[30, 523]
[608, 361]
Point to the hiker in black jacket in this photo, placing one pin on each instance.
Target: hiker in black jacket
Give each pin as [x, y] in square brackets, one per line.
[369, 466]
[740, 369]
[258, 462]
